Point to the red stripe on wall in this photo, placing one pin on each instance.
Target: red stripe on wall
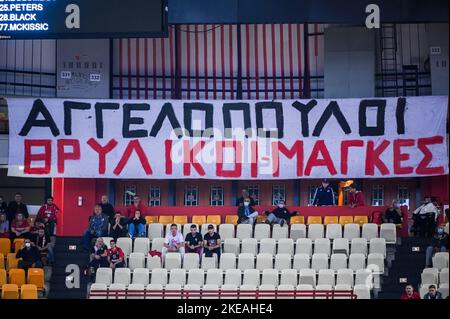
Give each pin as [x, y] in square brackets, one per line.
[266, 85]
[120, 69]
[129, 68]
[230, 36]
[146, 67]
[163, 66]
[222, 59]
[299, 62]
[214, 61]
[188, 61]
[138, 79]
[291, 68]
[172, 75]
[205, 57]
[283, 88]
[247, 59]
[197, 80]
[154, 68]
[256, 61]
[274, 61]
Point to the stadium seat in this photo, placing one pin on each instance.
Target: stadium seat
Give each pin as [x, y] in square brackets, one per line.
[378, 245]
[314, 220]
[191, 261]
[361, 291]
[282, 261]
[279, 232]
[209, 262]
[356, 261]
[10, 291]
[117, 291]
[17, 276]
[99, 287]
[192, 291]
[247, 291]
[29, 291]
[326, 277]
[246, 261]
[125, 244]
[267, 245]
[301, 261]
[5, 246]
[159, 276]
[153, 262]
[325, 289]
[289, 276]
[264, 261]
[213, 219]
[18, 243]
[297, 220]
[227, 261]
[214, 277]
[35, 276]
[210, 291]
[158, 244]
[229, 291]
[345, 277]
[141, 245]
[177, 276]
[359, 246]
[154, 291]
[165, 220]
[122, 276]
[285, 246]
[341, 244]
[422, 291]
[167, 228]
[443, 276]
[360, 220]
[262, 231]
[233, 277]
[303, 246]
[249, 245]
[204, 228]
[151, 219]
[141, 276]
[429, 276]
[322, 245]
[231, 219]
[137, 289]
[352, 231]
[285, 291]
[330, 220]
[136, 260]
[199, 219]
[305, 291]
[107, 241]
[231, 245]
[270, 277]
[338, 261]
[2, 261]
[369, 231]
[298, 231]
[103, 276]
[172, 261]
[154, 231]
[267, 291]
[315, 231]
[446, 229]
[375, 262]
[226, 231]
[308, 277]
[3, 277]
[343, 220]
[251, 277]
[196, 276]
[11, 261]
[440, 260]
[334, 231]
[388, 231]
[244, 231]
[173, 291]
[443, 289]
[182, 220]
[319, 261]
[342, 287]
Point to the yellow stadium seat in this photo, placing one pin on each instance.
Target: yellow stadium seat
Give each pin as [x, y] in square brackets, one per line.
[213, 219]
[261, 218]
[5, 246]
[2, 277]
[180, 220]
[231, 219]
[297, 219]
[10, 291]
[2, 261]
[199, 219]
[345, 220]
[17, 276]
[36, 277]
[151, 219]
[28, 292]
[18, 243]
[166, 220]
[360, 220]
[331, 220]
[11, 261]
[314, 220]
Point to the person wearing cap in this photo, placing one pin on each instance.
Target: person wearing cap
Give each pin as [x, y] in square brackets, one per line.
[212, 242]
[194, 241]
[355, 197]
[324, 195]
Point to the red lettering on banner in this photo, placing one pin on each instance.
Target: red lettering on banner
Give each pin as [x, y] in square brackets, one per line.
[29, 157]
[295, 150]
[345, 145]
[399, 157]
[320, 147]
[189, 158]
[169, 164]
[135, 146]
[254, 163]
[423, 168]
[373, 158]
[63, 156]
[102, 151]
[237, 147]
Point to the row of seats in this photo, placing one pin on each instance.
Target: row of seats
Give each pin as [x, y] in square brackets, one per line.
[235, 276]
[228, 291]
[440, 260]
[11, 261]
[11, 291]
[5, 245]
[17, 277]
[432, 276]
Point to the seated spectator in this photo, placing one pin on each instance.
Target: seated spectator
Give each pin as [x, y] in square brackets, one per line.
[425, 217]
[439, 242]
[355, 197]
[136, 225]
[4, 226]
[98, 257]
[44, 245]
[98, 227]
[16, 207]
[48, 214]
[20, 228]
[173, 242]
[107, 208]
[118, 226]
[211, 241]
[279, 215]
[137, 205]
[31, 258]
[410, 293]
[38, 224]
[3, 206]
[115, 256]
[194, 241]
[246, 213]
[245, 194]
[393, 214]
[432, 293]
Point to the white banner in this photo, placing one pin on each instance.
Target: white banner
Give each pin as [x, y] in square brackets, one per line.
[166, 139]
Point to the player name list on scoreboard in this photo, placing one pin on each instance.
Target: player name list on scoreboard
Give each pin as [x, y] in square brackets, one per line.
[23, 15]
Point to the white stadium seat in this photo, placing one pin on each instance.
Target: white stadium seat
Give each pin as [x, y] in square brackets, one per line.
[359, 246]
[377, 245]
[342, 287]
[157, 243]
[388, 231]
[270, 277]
[338, 261]
[196, 276]
[233, 277]
[172, 261]
[154, 291]
[154, 262]
[333, 231]
[177, 276]
[247, 291]
[430, 276]
[323, 289]
[231, 245]
[98, 287]
[315, 231]
[261, 231]
[172, 291]
[154, 231]
[120, 291]
[345, 277]
[214, 277]
[227, 261]
[188, 288]
[279, 232]
[159, 276]
[307, 276]
[249, 245]
[209, 262]
[267, 246]
[326, 277]
[125, 244]
[107, 241]
[352, 231]
[323, 246]
[285, 246]
[226, 231]
[103, 276]
[443, 289]
[231, 289]
[319, 261]
[141, 245]
[289, 276]
[369, 231]
[141, 276]
[122, 276]
[269, 289]
[264, 261]
[361, 291]
[282, 261]
[298, 231]
[246, 261]
[356, 261]
[301, 261]
[364, 277]
[244, 231]
[440, 260]
[340, 244]
[191, 261]
[251, 277]
[303, 246]
[443, 276]
[285, 291]
[212, 289]
[137, 289]
[136, 260]
[304, 291]
[375, 262]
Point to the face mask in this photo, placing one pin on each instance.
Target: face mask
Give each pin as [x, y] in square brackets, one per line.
[28, 245]
[246, 203]
[440, 231]
[280, 205]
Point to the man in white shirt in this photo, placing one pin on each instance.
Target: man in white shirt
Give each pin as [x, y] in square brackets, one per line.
[425, 217]
[174, 242]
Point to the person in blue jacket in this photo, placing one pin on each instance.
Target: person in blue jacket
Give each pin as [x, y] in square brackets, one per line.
[324, 195]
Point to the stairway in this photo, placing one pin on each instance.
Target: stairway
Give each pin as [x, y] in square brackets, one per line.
[407, 264]
[388, 57]
[64, 257]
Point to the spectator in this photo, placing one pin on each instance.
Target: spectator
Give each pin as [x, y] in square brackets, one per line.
[245, 194]
[16, 207]
[194, 241]
[425, 217]
[99, 256]
[211, 241]
[118, 226]
[20, 228]
[355, 197]
[38, 224]
[98, 227]
[432, 293]
[115, 256]
[136, 225]
[3, 206]
[393, 214]
[48, 213]
[246, 213]
[439, 242]
[4, 226]
[324, 195]
[410, 293]
[107, 208]
[31, 258]
[173, 242]
[137, 205]
[279, 215]
[43, 244]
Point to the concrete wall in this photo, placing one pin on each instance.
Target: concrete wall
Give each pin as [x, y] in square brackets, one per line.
[438, 39]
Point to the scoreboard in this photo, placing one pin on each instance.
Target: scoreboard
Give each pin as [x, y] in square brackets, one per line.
[53, 19]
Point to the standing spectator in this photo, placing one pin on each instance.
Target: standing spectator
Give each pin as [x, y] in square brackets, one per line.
[31, 258]
[393, 214]
[19, 228]
[99, 256]
[3, 206]
[246, 213]
[324, 195]
[194, 241]
[115, 256]
[279, 215]
[98, 227]
[48, 213]
[410, 293]
[43, 244]
[118, 226]
[432, 293]
[4, 226]
[425, 217]
[16, 207]
[245, 194]
[355, 197]
[107, 208]
[211, 241]
[439, 242]
[137, 205]
[136, 225]
[174, 242]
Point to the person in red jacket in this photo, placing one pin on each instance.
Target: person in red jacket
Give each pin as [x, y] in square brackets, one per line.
[48, 214]
[355, 197]
[410, 293]
[137, 205]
